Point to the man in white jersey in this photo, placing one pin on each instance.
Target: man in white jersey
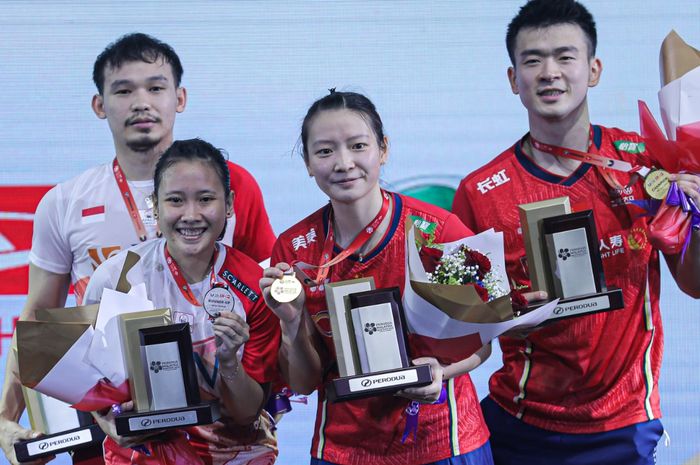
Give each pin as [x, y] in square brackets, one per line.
[80, 223]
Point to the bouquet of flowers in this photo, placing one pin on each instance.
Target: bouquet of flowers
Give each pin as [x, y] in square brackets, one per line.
[466, 266]
[455, 299]
[676, 215]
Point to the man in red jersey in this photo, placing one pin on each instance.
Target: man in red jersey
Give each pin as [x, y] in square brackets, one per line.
[583, 390]
[82, 222]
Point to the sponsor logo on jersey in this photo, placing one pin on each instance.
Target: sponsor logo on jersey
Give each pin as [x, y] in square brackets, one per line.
[492, 181]
[637, 238]
[620, 197]
[242, 287]
[303, 241]
[99, 255]
[629, 146]
[425, 226]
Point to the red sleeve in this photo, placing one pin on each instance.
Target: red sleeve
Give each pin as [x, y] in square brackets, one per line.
[453, 229]
[260, 351]
[462, 207]
[253, 233]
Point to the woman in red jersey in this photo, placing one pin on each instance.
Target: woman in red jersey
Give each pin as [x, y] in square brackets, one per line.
[344, 147]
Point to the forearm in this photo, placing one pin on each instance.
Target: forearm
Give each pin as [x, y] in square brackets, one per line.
[12, 402]
[686, 271]
[468, 364]
[242, 396]
[299, 358]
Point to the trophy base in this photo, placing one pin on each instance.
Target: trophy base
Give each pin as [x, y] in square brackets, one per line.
[133, 423]
[584, 305]
[381, 382]
[52, 444]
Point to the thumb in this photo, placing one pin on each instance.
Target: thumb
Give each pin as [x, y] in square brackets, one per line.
[28, 434]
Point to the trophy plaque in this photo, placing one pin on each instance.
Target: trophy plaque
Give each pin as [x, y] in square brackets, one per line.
[531, 216]
[341, 322]
[375, 334]
[65, 429]
[569, 244]
[171, 399]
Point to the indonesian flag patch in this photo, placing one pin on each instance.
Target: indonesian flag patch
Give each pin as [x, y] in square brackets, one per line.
[93, 214]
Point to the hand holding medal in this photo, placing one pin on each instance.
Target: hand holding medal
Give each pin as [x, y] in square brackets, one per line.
[287, 288]
[283, 292]
[231, 332]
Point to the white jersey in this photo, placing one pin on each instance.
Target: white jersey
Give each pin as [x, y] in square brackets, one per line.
[223, 441]
[82, 222]
[161, 288]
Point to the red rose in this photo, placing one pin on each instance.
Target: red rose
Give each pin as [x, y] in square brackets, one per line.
[474, 258]
[519, 302]
[430, 258]
[483, 293]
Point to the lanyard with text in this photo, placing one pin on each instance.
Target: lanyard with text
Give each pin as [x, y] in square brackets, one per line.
[360, 239]
[180, 279]
[603, 163]
[130, 202]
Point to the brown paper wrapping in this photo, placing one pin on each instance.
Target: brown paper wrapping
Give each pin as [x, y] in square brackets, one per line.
[461, 302]
[82, 314]
[41, 345]
[676, 58]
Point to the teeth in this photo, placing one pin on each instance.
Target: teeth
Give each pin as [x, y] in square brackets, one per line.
[191, 232]
[550, 92]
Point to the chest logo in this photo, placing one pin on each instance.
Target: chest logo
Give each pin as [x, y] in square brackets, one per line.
[493, 181]
[98, 255]
[302, 241]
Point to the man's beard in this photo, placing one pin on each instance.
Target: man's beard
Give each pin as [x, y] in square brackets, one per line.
[143, 144]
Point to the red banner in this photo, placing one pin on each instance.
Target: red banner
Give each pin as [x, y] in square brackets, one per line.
[17, 206]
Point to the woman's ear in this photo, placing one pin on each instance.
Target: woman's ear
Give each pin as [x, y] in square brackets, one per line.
[229, 205]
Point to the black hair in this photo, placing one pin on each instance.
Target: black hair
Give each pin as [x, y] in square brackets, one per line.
[194, 150]
[135, 47]
[538, 14]
[340, 101]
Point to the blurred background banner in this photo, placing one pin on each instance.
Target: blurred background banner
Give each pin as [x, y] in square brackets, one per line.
[435, 70]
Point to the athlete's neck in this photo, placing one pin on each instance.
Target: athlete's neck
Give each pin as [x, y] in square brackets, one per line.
[141, 165]
[572, 132]
[194, 268]
[349, 219]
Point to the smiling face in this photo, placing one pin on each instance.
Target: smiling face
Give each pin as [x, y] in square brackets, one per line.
[192, 210]
[344, 155]
[140, 101]
[553, 72]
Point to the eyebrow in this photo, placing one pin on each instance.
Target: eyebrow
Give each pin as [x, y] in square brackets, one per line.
[542, 53]
[322, 142]
[151, 79]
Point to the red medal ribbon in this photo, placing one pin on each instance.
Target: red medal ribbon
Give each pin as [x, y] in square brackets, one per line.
[129, 202]
[360, 239]
[604, 164]
[180, 279]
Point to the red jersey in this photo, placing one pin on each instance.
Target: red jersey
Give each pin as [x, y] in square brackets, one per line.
[369, 430]
[597, 372]
[253, 234]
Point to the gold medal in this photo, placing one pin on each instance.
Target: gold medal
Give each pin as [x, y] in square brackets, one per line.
[286, 289]
[657, 184]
